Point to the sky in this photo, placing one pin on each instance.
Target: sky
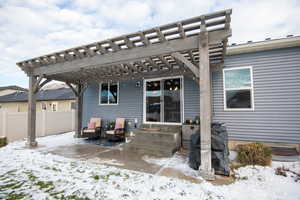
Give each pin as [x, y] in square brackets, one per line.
[31, 28]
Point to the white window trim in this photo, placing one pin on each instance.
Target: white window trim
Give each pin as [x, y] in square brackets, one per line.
[108, 104]
[181, 96]
[251, 88]
[42, 106]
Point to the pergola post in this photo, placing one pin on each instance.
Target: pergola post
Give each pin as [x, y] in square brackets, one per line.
[31, 130]
[78, 111]
[206, 170]
[35, 84]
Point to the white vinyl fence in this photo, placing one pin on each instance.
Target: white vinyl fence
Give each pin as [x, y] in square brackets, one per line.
[13, 125]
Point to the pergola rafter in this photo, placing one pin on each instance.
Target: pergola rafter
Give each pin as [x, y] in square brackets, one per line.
[192, 47]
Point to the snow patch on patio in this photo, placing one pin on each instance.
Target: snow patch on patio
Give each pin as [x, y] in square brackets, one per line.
[104, 161]
[33, 174]
[177, 162]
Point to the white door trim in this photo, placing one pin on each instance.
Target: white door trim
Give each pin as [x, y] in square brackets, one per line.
[181, 100]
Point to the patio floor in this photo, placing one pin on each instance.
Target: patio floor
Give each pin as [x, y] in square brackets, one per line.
[118, 156]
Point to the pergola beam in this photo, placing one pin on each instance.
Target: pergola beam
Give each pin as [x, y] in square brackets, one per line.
[128, 55]
[190, 65]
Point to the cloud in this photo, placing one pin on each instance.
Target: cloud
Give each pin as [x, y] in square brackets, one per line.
[31, 28]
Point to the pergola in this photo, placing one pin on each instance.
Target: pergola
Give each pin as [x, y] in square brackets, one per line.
[192, 47]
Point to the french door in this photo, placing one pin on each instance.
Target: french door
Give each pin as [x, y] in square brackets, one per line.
[163, 100]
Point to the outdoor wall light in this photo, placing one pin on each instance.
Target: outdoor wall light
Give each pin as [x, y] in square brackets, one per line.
[138, 84]
[135, 122]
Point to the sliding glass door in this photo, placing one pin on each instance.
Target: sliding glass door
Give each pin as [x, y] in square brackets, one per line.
[163, 100]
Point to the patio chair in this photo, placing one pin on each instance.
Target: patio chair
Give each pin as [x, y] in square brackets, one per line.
[119, 132]
[93, 130]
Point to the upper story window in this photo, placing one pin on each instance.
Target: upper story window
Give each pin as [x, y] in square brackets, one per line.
[238, 88]
[109, 93]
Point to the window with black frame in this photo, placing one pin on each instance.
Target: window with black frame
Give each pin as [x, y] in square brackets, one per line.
[238, 88]
[108, 93]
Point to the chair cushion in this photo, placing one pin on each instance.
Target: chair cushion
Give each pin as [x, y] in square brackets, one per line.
[97, 121]
[120, 123]
[112, 132]
[88, 131]
[91, 125]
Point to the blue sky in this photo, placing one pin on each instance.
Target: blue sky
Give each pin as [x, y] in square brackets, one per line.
[31, 28]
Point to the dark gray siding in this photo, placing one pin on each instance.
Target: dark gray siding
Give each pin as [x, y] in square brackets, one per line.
[276, 118]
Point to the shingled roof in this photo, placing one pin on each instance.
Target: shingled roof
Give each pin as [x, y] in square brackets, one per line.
[12, 87]
[42, 95]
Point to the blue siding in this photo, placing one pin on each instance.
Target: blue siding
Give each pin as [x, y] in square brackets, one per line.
[191, 99]
[130, 104]
[276, 117]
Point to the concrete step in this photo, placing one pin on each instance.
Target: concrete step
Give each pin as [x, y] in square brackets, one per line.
[172, 136]
[153, 146]
[154, 142]
[151, 151]
[163, 140]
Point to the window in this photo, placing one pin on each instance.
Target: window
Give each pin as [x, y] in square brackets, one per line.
[54, 106]
[73, 105]
[44, 106]
[108, 93]
[238, 88]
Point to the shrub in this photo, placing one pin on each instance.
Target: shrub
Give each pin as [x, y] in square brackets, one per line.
[3, 141]
[254, 154]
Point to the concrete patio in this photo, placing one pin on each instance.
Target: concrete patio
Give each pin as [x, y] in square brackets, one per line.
[121, 157]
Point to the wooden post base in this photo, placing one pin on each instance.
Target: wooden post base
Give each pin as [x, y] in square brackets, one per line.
[207, 175]
[77, 134]
[31, 144]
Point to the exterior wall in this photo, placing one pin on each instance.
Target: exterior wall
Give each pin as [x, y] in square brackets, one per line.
[8, 91]
[130, 104]
[276, 116]
[63, 105]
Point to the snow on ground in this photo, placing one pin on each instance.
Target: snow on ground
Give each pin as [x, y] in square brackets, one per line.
[32, 174]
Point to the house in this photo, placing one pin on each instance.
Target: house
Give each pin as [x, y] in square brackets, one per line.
[177, 72]
[256, 94]
[59, 99]
[4, 90]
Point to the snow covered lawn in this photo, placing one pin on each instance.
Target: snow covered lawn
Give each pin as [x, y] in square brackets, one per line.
[32, 174]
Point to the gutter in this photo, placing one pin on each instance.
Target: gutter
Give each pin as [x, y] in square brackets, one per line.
[263, 45]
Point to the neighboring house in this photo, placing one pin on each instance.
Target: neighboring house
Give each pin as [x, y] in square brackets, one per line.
[61, 99]
[4, 90]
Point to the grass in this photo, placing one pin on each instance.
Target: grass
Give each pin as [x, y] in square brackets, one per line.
[44, 185]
